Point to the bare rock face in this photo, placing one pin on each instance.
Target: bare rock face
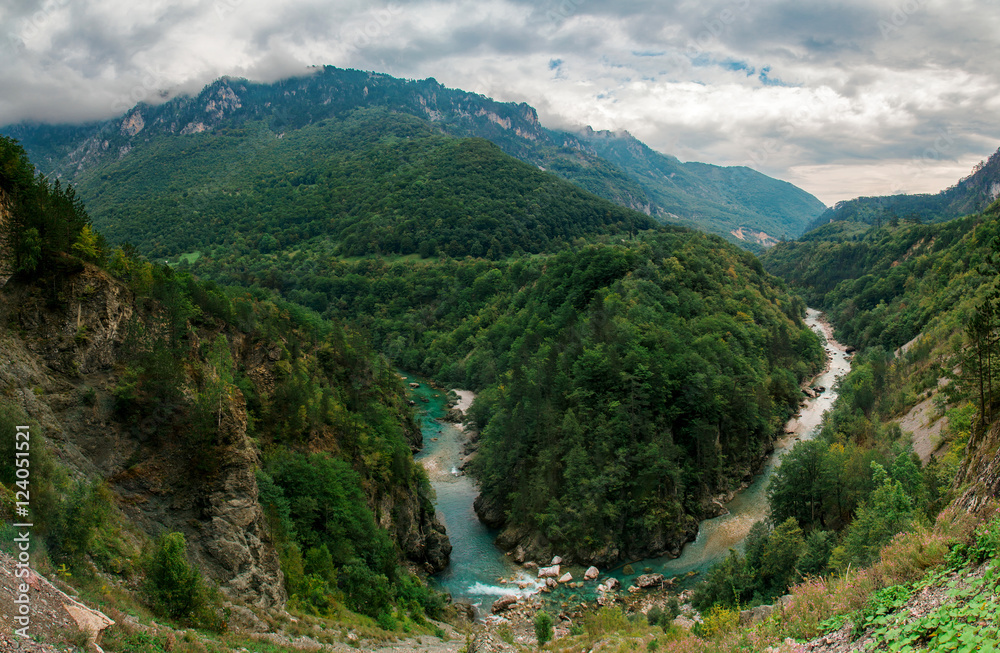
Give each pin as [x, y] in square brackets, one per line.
[490, 512]
[235, 546]
[73, 334]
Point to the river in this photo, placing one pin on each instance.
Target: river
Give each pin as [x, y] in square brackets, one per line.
[479, 572]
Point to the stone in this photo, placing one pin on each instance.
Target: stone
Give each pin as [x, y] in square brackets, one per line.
[755, 615]
[503, 604]
[647, 581]
[565, 578]
[551, 582]
[612, 584]
[591, 574]
[682, 622]
[531, 565]
[548, 572]
[556, 560]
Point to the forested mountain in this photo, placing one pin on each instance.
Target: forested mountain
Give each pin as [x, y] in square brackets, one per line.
[552, 302]
[733, 202]
[883, 285]
[274, 447]
[371, 182]
[970, 195]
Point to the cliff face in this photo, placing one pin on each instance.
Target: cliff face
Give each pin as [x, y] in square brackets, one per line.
[63, 341]
[980, 472]
[64, 347]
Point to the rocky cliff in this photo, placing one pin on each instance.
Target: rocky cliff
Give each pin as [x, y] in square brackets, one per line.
[65, 340]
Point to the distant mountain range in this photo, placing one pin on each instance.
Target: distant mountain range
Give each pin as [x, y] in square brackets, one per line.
[742, 205]
[970, 195]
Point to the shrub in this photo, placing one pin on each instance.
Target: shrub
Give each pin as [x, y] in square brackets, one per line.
[543, 628]
[174, 588]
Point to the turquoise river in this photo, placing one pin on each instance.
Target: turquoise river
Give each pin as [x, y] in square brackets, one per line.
[479, 572]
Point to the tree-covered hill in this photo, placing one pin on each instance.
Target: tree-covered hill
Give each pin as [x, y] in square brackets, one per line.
[714, 198]
[273, 445]
[620, 169]
[884, 285]
[971, 194]
[621, 384]
[373, 182]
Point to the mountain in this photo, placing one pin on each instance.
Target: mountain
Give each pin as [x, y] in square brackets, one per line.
[735, 201]
[275, 448]
[741, 205]
[970, 195]
[369, 182]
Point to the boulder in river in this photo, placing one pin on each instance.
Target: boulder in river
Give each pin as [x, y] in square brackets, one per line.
[551, 582]
[548, 572]
[414, 385]
[649, 580]
[565, 578]
[612, 584]
[503, 603]
[591, 573]
[556, 561]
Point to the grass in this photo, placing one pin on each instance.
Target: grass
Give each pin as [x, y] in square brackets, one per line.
[870, 598]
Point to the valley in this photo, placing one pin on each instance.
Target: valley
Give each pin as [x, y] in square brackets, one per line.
[207, 328]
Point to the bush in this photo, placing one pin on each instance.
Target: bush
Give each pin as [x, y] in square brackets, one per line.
[543, 628]
[174, 588]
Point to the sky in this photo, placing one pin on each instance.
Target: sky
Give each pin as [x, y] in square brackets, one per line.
[842, 98]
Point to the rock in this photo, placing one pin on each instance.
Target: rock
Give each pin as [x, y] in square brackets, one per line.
[548, 572]
[612, 584]
[647, 581]
[243, 619]
[682, 622]
[503, 603]
[556, 560]
[465, 611]
[531, 565]
[551, 582]
[414, 385]
[565, 578]
[591, 573]
[755, 615]
[489, 511]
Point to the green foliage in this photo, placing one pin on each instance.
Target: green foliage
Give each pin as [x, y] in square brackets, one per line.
[44, 219]
[175, 588]
[371, 181]
[887, 512]
[880, 606]
[543, 627]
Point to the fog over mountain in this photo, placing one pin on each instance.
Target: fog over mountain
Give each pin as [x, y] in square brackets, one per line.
[843, 99]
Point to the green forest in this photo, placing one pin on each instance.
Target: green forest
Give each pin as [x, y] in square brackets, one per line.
[592, 334]
[372, 183]
[334, 431]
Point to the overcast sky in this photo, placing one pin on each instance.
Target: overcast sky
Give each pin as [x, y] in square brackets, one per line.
[856, 97]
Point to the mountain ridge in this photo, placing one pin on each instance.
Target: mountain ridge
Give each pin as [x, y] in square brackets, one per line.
[722, 202]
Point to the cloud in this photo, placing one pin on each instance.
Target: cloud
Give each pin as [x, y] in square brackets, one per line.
[805, 91]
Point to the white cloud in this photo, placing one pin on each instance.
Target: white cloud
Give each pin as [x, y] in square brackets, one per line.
[836, 97]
